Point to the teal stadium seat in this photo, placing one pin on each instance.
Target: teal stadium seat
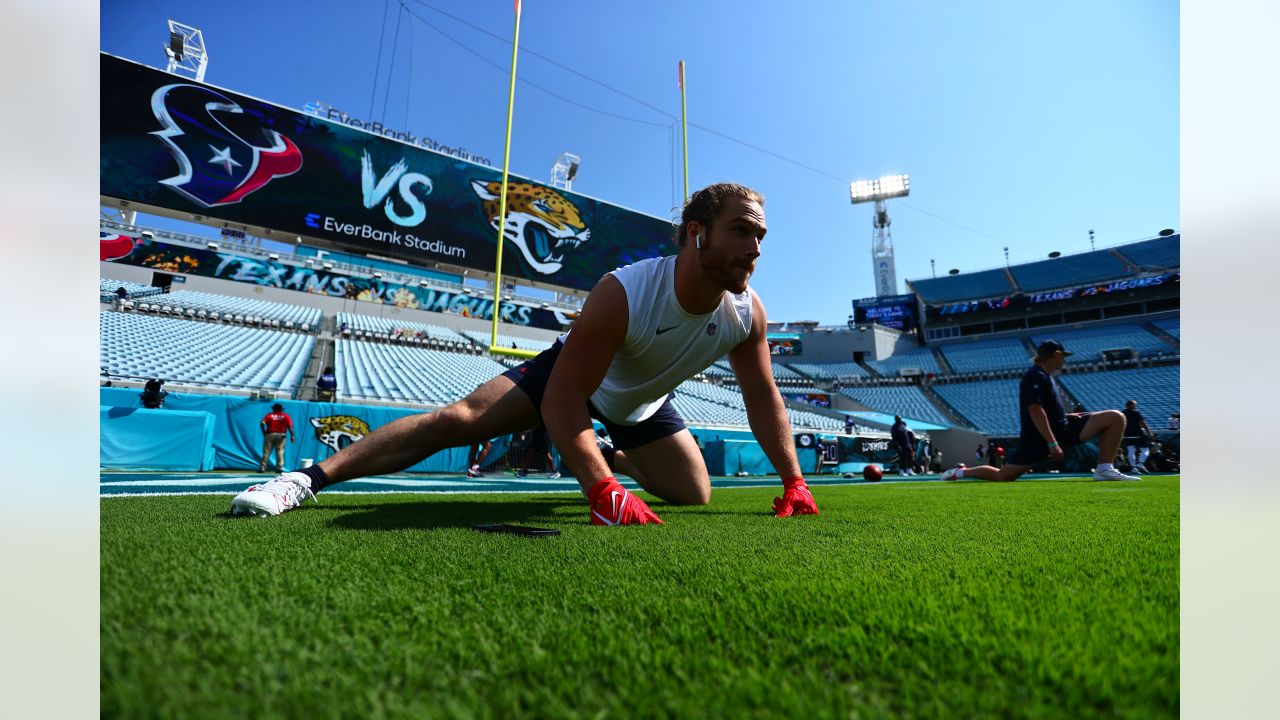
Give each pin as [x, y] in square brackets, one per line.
[971, 356]
[1087, 344]
[921, 358]
[905, 400]
[189, 351]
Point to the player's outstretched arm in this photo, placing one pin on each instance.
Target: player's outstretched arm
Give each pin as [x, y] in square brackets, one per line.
[767, 415]
[597, 334]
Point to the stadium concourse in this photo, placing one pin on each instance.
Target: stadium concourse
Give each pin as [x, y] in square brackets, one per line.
[947, 358]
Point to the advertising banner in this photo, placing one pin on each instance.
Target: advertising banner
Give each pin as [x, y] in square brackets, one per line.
[1038, 299]
[174, 143]
[113, 245]
[165, 257]
[822, 400]
[784, 346]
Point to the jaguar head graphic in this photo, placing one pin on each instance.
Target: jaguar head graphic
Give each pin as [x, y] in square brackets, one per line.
[541, 222]
[339, 431]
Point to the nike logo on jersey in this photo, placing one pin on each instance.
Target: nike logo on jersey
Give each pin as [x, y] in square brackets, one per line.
[662, 330]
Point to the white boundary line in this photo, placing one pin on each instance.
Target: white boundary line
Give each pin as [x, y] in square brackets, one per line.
[416, 489]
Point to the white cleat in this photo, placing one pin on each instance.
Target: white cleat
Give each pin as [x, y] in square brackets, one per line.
[1112, 474]
[953, 473]
[474, 473]
[281, 494]
[555, 476]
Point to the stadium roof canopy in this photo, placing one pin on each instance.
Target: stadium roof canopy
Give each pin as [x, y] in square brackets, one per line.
[1146, 257]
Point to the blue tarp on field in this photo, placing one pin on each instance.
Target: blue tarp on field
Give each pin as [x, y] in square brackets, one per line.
[321, 428]
[324, 428]
[135, 437]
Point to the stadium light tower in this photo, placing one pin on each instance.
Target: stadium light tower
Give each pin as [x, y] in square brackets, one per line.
[877, 191]
[185, 51]
[565, 170]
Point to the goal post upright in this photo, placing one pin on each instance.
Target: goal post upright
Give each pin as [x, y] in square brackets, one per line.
[494, 349]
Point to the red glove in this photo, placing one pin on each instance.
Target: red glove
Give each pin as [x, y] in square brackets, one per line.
[612, 504]
[796, 499]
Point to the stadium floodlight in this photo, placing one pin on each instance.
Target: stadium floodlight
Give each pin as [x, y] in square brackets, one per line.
[889, 186]
[185, 51]
[877, 191]
[565, 170]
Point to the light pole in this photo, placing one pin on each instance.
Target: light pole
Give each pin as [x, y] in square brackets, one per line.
[877, 191]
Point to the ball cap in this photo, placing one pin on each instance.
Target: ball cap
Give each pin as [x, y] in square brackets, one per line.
[1049, 347]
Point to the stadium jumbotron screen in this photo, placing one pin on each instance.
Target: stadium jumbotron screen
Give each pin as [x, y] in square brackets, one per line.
[895, 311]
[194, 148]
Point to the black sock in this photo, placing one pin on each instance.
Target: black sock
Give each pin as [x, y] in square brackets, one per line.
[609, 452]
[318, 478]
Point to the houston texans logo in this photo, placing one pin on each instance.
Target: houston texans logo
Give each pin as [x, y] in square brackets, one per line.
[215, 165]
[112, 246]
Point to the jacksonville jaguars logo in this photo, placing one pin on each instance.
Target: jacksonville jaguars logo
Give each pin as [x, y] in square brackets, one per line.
[113, 246]
[339, 431]
[541, 222]
[215, 165]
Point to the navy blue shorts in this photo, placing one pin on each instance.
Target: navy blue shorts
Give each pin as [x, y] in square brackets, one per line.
[1141, 442]
[532, 375]
[1032, 448]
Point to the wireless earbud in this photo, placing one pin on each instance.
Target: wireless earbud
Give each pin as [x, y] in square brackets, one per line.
[697, 241]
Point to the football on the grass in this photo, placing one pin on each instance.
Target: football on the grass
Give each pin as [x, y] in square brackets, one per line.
[872, 473]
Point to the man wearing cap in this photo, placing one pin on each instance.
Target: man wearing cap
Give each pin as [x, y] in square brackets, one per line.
[1047, 428]
[1137, 438]
[274, 425]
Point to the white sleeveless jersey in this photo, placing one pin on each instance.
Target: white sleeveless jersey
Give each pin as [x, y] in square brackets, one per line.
[664, 345]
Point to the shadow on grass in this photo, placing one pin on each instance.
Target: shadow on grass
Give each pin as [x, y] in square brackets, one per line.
[661, 508]
[451, 514]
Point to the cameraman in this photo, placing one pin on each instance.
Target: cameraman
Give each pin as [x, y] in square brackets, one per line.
[153, 394]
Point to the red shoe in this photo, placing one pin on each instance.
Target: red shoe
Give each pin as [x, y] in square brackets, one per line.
[612, 504]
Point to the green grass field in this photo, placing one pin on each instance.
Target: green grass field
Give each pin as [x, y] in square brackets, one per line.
[1054, 598]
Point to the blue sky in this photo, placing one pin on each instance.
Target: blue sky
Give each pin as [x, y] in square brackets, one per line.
[1021, 124]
